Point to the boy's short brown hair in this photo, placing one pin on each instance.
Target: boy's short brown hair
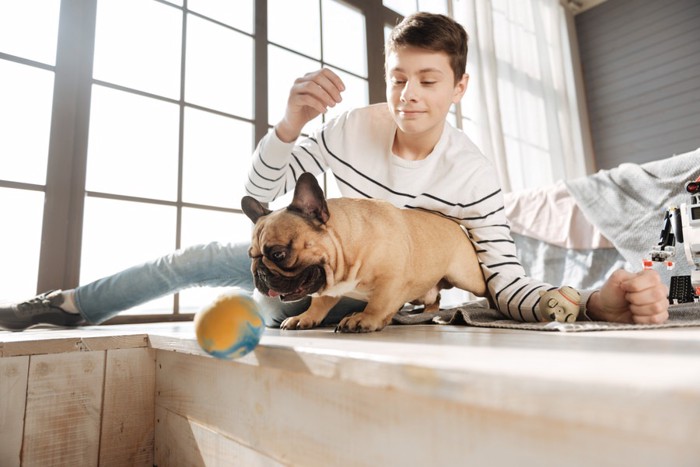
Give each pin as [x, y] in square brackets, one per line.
[434, 32]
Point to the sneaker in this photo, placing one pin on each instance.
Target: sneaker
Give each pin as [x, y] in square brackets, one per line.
[42, 309]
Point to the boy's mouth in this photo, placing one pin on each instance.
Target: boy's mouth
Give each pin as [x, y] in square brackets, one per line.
[410, 113]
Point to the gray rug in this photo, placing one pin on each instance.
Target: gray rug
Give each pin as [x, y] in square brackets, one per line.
[479, 315]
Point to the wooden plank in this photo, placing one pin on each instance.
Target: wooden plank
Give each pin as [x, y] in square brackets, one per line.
[13, 394]
[630, 386]
[40, 342]
[128, 411]
[302, 419]
[185, 443]
[64, 401]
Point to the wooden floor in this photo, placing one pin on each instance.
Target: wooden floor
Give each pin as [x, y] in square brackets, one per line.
[663, 355]
[631, 393]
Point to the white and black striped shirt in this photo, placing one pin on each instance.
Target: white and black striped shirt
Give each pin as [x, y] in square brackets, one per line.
[455, 180]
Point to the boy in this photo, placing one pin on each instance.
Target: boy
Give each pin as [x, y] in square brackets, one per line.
[402, 151]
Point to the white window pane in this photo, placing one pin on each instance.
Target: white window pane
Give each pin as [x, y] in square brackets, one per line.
[356, 94]
[295, 25]
[282, 201]
[26, 96]
[200, 227]
[138, 45]
[133, 145]
[217, 155]
[521, 158]
[284, 68]
[29, 29]
[239, 14]
[121, 234]
[19, 247]
[433, 6]
[403, 7]
[387, 33]
[474, 132]
[349, 49]
[452, 119]
[194, 299]
[219, 66]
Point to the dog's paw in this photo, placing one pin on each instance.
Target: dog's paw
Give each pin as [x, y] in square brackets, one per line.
[361, 322]
[298, 322]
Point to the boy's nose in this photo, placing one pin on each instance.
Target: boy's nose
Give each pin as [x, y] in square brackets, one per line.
[408, 93]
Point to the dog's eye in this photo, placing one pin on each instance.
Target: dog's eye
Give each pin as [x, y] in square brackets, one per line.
[278, 256]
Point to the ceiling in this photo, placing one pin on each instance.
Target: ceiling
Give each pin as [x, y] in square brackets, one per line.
[579, 6]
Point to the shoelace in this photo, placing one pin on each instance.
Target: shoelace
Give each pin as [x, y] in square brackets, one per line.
[36, 305]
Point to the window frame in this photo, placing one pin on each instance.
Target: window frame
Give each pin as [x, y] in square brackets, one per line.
[65, 189]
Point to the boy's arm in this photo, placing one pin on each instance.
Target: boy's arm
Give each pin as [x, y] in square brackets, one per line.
[513, 293]
[277, 162]
[624, 297]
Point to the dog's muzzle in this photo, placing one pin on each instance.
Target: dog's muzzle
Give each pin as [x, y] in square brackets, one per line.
[289, 289]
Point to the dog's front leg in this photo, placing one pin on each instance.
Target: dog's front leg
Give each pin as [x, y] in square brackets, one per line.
[376, 315]
[319, 308]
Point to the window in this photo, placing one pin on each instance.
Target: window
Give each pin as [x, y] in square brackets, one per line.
[27, 72]
[107, 139]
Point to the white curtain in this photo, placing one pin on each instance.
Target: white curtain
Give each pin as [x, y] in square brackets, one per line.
[521, 105]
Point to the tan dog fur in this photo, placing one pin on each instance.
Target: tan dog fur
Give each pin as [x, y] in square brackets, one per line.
[368, 249]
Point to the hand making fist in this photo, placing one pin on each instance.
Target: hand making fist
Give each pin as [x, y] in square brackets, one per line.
[626, 297]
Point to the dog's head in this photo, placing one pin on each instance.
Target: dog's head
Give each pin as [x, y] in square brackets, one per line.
[288, 250]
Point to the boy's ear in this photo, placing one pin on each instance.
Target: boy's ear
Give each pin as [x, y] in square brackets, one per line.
[309, 200]
[460, 88]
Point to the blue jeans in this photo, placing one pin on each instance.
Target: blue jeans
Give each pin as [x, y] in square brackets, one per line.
[212, 265]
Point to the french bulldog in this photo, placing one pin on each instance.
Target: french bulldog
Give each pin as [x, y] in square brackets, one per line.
[361, 248]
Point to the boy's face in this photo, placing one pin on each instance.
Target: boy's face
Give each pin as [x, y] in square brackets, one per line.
[420, 89]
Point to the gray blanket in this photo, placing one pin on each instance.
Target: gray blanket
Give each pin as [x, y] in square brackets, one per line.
[628, 204]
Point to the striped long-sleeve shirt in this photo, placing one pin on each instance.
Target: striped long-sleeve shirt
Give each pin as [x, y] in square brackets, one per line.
[455, 180]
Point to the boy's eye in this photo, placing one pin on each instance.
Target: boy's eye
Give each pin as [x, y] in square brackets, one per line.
[398, 81]
[428, 83]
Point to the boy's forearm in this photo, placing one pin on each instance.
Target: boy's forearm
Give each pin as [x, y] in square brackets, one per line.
[266, 175]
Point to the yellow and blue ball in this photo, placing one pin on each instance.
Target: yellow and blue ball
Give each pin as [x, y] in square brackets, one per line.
[230, 327]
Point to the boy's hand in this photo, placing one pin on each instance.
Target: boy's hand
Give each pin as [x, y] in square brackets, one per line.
[310, 96]
[626, 297]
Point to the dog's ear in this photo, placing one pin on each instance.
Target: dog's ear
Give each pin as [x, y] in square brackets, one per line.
[253, 209]
[309, 200]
